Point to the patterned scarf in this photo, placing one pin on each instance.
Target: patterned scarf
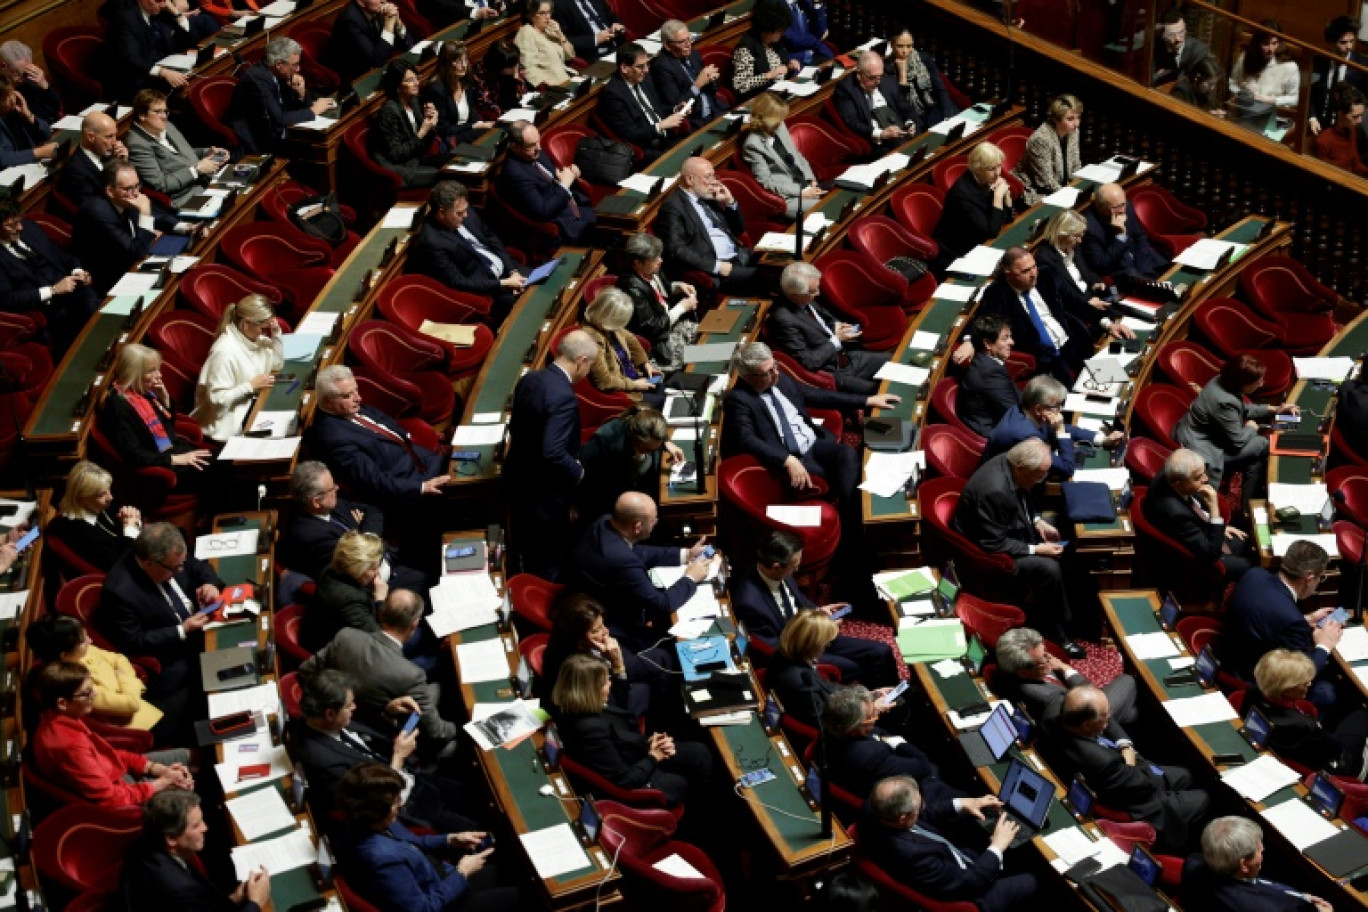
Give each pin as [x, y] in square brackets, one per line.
[149, 410]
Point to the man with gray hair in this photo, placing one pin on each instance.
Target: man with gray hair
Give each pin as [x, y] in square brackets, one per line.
[1225, 877]
[995, 512]
[1041, 416]
[906, 838]
[455, 247]
[871, 106]
[767, 417]
[806, 331]
[149, 606]
[680, 75]
[1115, 243]
[16, 62]
[541, 468]
[1029, 673]
[1183, 504]
[270, 96]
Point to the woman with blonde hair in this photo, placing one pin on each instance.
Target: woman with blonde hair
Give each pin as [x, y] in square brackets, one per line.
[1051, 156]
[773, 159]
[349, 591]
[139, 419]
[83, 522]
[241, 364]
[622, 364]
[1283, 678]
[1082, 291]
[978, 206]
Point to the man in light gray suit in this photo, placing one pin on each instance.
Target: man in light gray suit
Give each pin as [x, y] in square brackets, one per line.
[164, 160]
[376, 665]
[773, 159]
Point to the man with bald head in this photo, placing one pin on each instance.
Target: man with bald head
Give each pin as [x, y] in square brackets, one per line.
[541, 468]
[83, 175]
[531, 183]
[872, 107]
[1122, 779]
[1114, 243]
[700, 223]
[613, 559]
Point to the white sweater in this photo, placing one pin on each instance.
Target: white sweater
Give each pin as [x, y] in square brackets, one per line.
[224, 394]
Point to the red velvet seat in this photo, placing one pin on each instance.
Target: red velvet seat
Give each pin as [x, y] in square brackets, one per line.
[376, 188]
[1184, 362]
[950, 451]
[411, 365]
[747, 488]
[763, 211]
[984, 573]
[639, 839]
[82, 846]
[276, 203]
[539, 238]
[1284, 291]
[846, 805]
[1233, 329]
[560, 143]
[597, 284]
[641, 17]
[153, 488]
[532, 598]
[1341, 453]
[1164, 560]
[408, 301]
[1012, 142]
[57, 229]
[209, 98]
[1160, 407]
[828, 150]
[80, 598]
[349, 895]
[881, 239]
[70, 563]
[1199, 631]
[1127, 835]
[299, 265]
[210, 287]
[989, 620]
[1352, 482]
[899, 894]
[918, 207]
[866, 293]
[532, 648]
[1145, 458]
[720, 56]
[183, 338]
[313, 37]
[943, 396]
[790, 366]
[291, 693]
[1172, 225]
[590, 781]
[945, 173]
[72, 53]
[287, 621]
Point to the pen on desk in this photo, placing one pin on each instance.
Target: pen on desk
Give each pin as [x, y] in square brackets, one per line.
[294, 385]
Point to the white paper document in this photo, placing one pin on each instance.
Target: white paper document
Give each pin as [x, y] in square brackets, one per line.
[133, 283]
[1113, 478]
[23, 511]
[966, 723]
[260, 812]
[11, 603]
[298, 346]
[1156, 645]
[702, 604]
[1353, 645]
[1064, 197]
[799, 89]
[1283, 540]
[780, 242]
[277, 423]
[482, 661]
[1307, 498]
[665, 577]
[948, 668]
[554, 851]
[1073, 845]
[1260, 778]
[981, 261]
[945, 126]
[32, 173]
[1088, 404]
[1207, 252]
[478, 434]
[924, 341]
[885, 474]
[1209, 707]
[676, 866]
[1323, 368]
[70, 122]
[279, 9]
[645, 183]
[1098, 174]
[691, 629]
[1361, 672]
[1301, 825]
[184, 62]
[226, 544]
[318, 322]
[258, 449]
[908, 374]
[230, 771]
[262, 698]
[120, 112]
[802, 517]
[318, 123]
[400, 217]
[960, 293]
[518, 114]
[461, 601]
[508, 724]
[284, 853]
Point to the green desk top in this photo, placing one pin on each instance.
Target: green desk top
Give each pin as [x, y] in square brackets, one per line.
[793, 819]
[72, 377]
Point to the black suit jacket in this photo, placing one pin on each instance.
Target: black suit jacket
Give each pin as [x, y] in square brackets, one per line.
[1171, 513]
[858, 763]
[853, 105]
[802, 691]
[1107, 254]
[21, 281]
[1320, 85]
[1351, 413]
[309, 542]
[1137, 790]
[763, 616]
[793, 331]
[1002, 300]
[1297, 736]
[649, 319]
[356, 46]
[524, 186]
[623, 114]
[748, 427]
[109, 242]
[101, 546]
[129, 434]
[1074, 300]
[673, 84]
[986, 393]
[79, 179]
[375, 467]
[132, 47]
[452, 128]
[443, 254]
[616, 574]
[579, 30]
[44, 103]
[152, 879]
[18, 138]
[1263, 616]
[610, 744]
[969, 217]
[1204, 889]
[262, 107]
[544, 442]
[992, 511]
[394, 141]
[681, 229]
[327, 759]
[927, 865]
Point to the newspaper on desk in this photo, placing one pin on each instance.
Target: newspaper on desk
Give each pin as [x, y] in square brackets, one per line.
[645, 183]
[505, 726]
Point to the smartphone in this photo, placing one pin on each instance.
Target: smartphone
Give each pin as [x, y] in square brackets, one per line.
[1339, 615]
[707, 553]
[282, 378]
[656, 380]
[854, 327]
[841, 612]
[894, 694]
[1065, 543]
[466, 455]
[755, 777]
[1227, 759]
[8, 510]
[412, 723]
[485, 843]
[458, 551]
[236, 671]
[211, 608]
[29, 538]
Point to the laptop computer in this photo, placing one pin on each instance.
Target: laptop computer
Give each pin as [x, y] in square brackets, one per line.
[1026, 797]
[1256, 729]
[989, 743]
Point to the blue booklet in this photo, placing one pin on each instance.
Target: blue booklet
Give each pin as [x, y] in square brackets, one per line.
[541, 272]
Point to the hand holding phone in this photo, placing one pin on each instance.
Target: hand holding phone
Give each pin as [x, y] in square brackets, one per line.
[412, 723]
[841, 612]
[1339, 616]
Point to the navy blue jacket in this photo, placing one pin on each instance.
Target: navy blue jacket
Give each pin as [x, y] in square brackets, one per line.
[853, 105]
[526, 188]
[109, 242]
[1107, 255]
[986, 392]
[18, 138]
[1204, 889]
[356, 46]
[755, 606]
[673, 84]
[393, 872]
[542, 468]
[615, 573]
[132, 47]
[443, 254]
[374, 466]
[262, 107]
[1263, 616]
[1015, 427]
[748, 427]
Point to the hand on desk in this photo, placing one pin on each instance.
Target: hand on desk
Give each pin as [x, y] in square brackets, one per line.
[975, 807]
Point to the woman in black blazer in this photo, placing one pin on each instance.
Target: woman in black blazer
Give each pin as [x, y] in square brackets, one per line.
[577, 628]
[1082, 290]
[401, 132]
[608, 740]
[1283, 678]
[662, 313]
[83, 522]
[499, 85]
[348, 591]
[454, 96]
[792, 675]
[978, 206]
[139, 419]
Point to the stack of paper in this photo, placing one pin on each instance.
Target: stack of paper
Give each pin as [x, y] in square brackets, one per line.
[11, 603]
[740, 717]
[931, 640]
[318, 322]
[800, 89]
[1323, 368]
[981, 261]
[284, 853]
[470, 435]
[1064, 197]
[907, 374]
[1301, 825]
[885, 474]
[862, 176]
[554, 851]
[1307, 498]
[1151, 645]
[518, 114]
[461, 601]
[1207, 252]
[1099, 174]
[1260, 778]
[262, 698]
[780, 242]
[482, 661]
[958, 293]
[277, 423]
[1113, 478]
[260, 812]
[904, 584]
[275, 757]
[257, 449]
[800, 517]
[1353, 645]
[1209, 707]
[702, 604]
[505, 726]
[945, 126]
[1073, 844]
[1101, 404]
[1283, 541]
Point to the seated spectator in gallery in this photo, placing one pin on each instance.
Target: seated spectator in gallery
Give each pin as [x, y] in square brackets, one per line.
[1262, 73]
[1339, 144]
[1176, 53]
[1203, 86]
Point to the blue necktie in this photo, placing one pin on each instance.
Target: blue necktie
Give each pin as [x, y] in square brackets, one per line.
[1046, 340]
[1108, 742]
[704, 108]
[790, 441]
[960, 858]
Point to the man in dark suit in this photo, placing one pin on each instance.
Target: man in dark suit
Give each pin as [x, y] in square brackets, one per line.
[1225, 877]
[767, 416]
[115, 230]
[1341, 33]
[766, 598]
[456, 248]
[1040, 416]
[1123, 780]
[1264, 613]
[1183, 505]
[680, 75]
[590, 25]
[150, 603]
[541, 471]
[140, 33]
[806, 331]
[871, 106]
[995, 512]
[365, 35]
[328, 741]
[631, 109]
[531, 183]
[23, 134]
[905, 838]
[986, 390]
[16, 62]
[1028, 299]
[160, 870]
[1028, 672]
[612, 562]
[1114, 243]
[1176, 53]
[83, 174]
[805, 39]
[699, 224]
[859, 754]
[270, 96]
[36, 274]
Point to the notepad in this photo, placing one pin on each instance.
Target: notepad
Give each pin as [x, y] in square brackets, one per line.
[802, 517]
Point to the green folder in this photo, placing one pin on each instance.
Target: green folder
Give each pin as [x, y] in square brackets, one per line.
[909, 584]
[931, 641]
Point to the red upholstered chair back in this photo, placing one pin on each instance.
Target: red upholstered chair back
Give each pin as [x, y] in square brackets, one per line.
[826, 148]
[990, 620]
[388, 348]
[1184, 362]
[81, 846]
[532, 598]
[1232, 327]
[938, 498]
[597, 284]
[790, 366]
[183, 337]
[1352, 482]
[291, 692]
[762, 210]
[1160, 407]
[73, 54]
[881, 239]
[209, 289]
[943, 396]
[1145, 458]
[918, 208]
[287, 621]
[1012, 142]
[945, 173]
[532, 648]
[1280, 284]
[210, 98]
[951, 451]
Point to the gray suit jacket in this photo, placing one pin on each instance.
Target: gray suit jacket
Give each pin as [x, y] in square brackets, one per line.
[1044, 167]
[769, 169]
[161, 169]
[377, 666]
[1214, 426]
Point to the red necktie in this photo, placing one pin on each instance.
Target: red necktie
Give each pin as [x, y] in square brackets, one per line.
[376, 427]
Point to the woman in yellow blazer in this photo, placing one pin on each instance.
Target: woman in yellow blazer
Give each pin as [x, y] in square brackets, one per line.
[118, 689]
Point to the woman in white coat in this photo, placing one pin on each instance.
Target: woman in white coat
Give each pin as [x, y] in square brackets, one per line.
[242, 363]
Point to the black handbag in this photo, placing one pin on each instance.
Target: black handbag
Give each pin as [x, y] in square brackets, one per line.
[603, 161]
